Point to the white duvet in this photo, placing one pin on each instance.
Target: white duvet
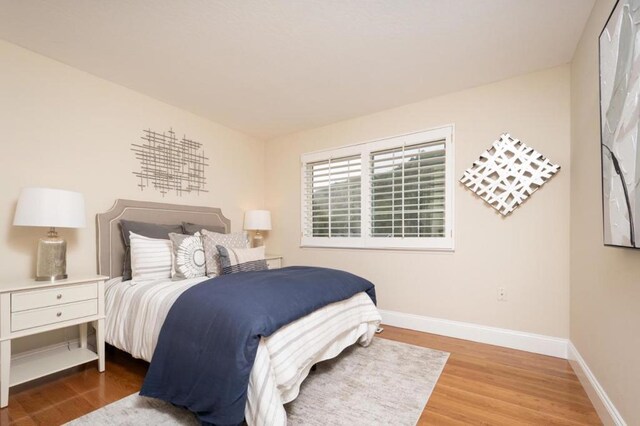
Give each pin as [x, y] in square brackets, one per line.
[135, 314]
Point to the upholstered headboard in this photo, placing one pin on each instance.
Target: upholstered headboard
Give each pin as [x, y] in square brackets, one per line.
[110, 244]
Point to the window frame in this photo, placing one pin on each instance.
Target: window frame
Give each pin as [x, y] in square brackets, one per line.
[366, 241]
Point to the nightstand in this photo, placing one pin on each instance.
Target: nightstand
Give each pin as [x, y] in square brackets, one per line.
[274, 261]
[29, 307]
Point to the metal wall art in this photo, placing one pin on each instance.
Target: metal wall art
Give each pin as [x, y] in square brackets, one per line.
[620, 130]
[508, 173]
[168, 164]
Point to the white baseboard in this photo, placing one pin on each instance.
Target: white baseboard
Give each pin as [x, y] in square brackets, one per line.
[599, 398]
[530, 342]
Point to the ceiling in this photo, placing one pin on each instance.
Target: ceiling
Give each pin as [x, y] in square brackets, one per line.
[272, 67]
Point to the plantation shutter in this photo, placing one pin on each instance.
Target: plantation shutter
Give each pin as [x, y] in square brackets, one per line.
[407, 191]
[332, 197]
[391, 193]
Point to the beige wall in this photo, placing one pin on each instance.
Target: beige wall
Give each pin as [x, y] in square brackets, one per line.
[63, 128]
[528, 253]
[605, 284]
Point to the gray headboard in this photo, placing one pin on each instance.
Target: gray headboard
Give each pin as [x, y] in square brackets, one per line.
[110, 245]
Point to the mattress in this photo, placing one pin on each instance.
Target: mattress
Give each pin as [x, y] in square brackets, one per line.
[135, 314]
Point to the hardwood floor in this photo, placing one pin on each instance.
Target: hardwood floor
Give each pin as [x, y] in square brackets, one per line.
[480, 384]
[64, 396]
[484, 384]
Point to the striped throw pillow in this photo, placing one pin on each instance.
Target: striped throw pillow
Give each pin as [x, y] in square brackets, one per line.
[151, 258]
[234, 260]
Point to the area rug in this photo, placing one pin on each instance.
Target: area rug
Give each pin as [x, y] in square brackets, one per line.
[387, 383]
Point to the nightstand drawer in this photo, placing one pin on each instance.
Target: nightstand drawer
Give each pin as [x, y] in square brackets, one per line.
[36, 299]
[273, 261]
[45, 316]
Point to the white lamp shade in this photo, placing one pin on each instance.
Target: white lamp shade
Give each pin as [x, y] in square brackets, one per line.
[257, 220]
[50, 207]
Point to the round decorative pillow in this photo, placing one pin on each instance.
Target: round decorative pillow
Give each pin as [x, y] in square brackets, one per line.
[188, 256]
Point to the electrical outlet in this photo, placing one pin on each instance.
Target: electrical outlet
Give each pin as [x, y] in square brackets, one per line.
[502, 294]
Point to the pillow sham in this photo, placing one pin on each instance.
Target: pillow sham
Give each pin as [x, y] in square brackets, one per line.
[145, 229]
[188, 256]
[211, 239]
[233, 260]
[192, 228]
[150, 258]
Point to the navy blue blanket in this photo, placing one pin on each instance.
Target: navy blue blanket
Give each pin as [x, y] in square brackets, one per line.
[210, 337]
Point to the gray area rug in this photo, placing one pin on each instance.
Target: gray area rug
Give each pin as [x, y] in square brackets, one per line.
[387, 383]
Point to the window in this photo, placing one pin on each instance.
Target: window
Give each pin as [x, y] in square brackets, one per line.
[335, 207]
[391, 193]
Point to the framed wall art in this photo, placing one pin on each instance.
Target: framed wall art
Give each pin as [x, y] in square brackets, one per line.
[619, 124]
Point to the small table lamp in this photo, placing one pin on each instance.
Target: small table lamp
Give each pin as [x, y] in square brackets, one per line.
[52, 208]
[257, 220]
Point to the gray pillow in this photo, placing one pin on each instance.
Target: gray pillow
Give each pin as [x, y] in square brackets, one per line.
[211, 239]
[192, 228]
[146, 229]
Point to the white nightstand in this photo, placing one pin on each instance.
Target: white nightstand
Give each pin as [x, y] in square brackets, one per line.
[29, 307]
[274, 261]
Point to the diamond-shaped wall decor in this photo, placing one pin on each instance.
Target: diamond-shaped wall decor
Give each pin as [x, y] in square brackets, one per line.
[508, 173]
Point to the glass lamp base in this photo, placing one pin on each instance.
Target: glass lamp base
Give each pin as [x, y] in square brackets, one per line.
[51, 263]
[258, 240]
[53, 278]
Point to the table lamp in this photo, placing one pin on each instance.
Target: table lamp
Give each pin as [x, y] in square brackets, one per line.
[52, 208]
[257, 220]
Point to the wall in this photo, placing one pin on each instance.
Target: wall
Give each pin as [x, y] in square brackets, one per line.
[64, 128]
[605, 289]
[527, 253]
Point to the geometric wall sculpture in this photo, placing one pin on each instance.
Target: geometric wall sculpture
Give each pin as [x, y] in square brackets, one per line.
[168, 164]
[619, 124]
[508, 173]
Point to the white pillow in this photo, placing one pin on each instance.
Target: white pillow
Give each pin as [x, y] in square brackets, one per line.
[151, 258]
[234, 260]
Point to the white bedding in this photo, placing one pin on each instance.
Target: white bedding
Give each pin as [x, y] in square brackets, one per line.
[135, 314]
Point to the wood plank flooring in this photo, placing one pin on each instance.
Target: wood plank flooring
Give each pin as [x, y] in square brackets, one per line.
[481, 384]
[484, 384]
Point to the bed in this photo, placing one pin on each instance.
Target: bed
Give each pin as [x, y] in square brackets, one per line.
[135, 315]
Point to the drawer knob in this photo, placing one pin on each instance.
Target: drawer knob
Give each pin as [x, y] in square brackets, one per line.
[59, 314]
[59, 296]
